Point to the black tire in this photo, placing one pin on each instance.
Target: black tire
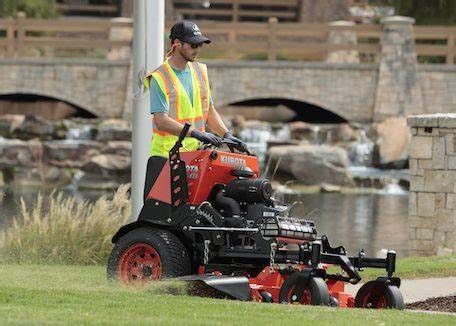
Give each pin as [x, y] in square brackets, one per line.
[296, 286]
[379, 295]
[173, 255]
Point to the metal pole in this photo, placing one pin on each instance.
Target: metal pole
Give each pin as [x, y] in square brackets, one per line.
[147, 55]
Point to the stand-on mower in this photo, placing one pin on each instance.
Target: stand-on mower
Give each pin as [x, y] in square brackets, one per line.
[209, 219]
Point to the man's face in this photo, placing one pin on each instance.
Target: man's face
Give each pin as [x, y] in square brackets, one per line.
[189, 51]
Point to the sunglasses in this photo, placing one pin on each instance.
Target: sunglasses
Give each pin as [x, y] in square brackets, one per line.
[195, 46]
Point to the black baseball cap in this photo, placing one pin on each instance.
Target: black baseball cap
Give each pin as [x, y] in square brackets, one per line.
[188, 32]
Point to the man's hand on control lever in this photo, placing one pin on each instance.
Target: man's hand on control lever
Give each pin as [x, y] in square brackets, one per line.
[206, 137]
[240, 144]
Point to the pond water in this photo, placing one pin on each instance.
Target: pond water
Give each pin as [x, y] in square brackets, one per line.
[368, 221]
[358, 221]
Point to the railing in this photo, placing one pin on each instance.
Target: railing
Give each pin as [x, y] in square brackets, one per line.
[23, 37]
[436, 43]
[87, 6]
[231, 40]
[294, 41]
[238, 10]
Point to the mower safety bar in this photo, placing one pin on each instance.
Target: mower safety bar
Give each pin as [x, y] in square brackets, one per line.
[183, 133]
[350, 264]
[179, 190]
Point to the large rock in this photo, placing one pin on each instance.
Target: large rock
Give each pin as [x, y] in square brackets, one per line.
[392, 144]
[71, 153]
[106, 171]
[113, 129]
[107, 165]
[9, 123]
[312, 165]
[300, 130]
[36, 127]
[336, 133]
[118, 147]
[16, 152]
[43, 176]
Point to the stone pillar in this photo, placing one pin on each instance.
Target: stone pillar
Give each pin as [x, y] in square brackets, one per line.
[342, 36]
[398, 89]
[432, 201]
[121, 33]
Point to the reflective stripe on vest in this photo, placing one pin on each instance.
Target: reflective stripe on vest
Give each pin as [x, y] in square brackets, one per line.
[179, 106]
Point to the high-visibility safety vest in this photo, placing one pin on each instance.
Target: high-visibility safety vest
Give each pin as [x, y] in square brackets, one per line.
[179, 106]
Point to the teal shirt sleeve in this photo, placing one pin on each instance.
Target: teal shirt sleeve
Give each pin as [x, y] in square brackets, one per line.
[157, 98]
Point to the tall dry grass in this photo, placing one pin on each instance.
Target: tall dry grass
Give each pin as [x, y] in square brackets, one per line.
[65, 231]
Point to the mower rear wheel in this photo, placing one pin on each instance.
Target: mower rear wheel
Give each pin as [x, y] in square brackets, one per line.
[147, 254]
[298, 289]
[379, 295]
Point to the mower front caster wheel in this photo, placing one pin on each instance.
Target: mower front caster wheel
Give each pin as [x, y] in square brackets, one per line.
[379, 295]
[147, 254]
[299, 289]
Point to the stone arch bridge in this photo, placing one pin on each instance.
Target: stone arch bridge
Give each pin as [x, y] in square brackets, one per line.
[355, 92]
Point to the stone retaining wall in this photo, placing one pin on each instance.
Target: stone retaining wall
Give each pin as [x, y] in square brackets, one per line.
[432, 202]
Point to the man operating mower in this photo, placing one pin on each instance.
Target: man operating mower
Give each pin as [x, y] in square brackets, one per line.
[180, 93]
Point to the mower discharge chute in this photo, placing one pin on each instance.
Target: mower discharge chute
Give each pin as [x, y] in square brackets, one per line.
[209, 219]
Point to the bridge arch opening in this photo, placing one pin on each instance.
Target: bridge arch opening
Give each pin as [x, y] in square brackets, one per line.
[40, 105]
[300, 110]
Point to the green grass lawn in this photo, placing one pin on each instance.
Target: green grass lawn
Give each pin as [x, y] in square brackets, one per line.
[43, 294]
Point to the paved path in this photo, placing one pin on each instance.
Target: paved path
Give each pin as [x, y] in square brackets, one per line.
[418, 290]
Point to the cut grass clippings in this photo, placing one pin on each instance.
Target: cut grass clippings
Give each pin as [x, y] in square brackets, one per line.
[39, 294]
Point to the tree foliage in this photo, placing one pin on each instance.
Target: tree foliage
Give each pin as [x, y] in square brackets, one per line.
[427, 12]
[32, 8]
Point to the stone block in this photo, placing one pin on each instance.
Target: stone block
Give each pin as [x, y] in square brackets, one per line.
[422, 245]
[417, 253]
[438, 153]
[447, 120]
[425, 164]
[412, 233]
[416, 183]
[412, 204]
[413, 131]
[426, 204]
[446, 131]
[451, 201]
[425, 234]
[440, 200]
[421, 147]
[451, 162]
[428, 120]
[413, 166]
[428, 131]
[422, 222]
[450, 142]
[439, 181]
[443, 251]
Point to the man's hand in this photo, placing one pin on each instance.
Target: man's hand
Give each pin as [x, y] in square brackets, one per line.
[240, 144]
[206, 137]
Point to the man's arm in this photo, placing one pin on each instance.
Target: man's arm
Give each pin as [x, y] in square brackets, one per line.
[164, 123]
[215, 122]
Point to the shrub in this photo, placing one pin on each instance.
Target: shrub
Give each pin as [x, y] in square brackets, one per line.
[32, 8]
[66, 232]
